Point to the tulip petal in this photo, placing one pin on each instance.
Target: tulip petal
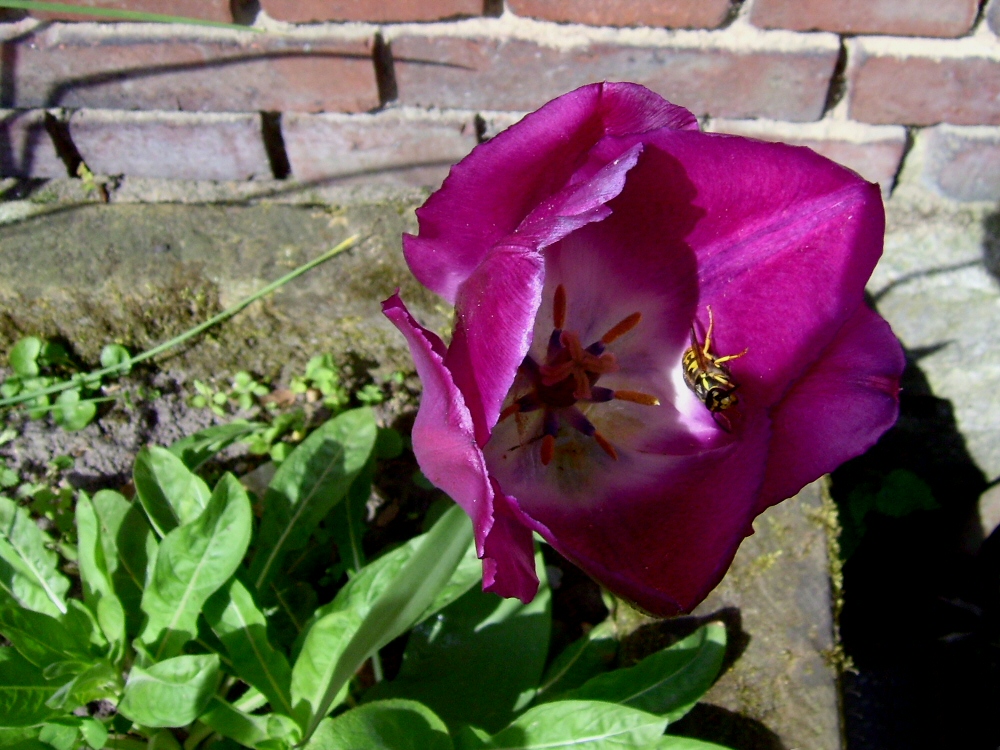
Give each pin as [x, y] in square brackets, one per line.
[489, 193]
[509, 556]
[786, 244]
[443, 436]
[498, 303]
[658, 530]
[838, 409]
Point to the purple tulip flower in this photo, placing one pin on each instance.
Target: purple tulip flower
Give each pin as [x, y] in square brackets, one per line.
[659, 334]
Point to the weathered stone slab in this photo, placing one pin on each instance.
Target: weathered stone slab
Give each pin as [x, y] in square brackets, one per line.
[140, 274]
[937, 285]
[783, 686]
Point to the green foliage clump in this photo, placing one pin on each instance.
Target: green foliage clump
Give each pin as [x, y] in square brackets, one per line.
[179, 617]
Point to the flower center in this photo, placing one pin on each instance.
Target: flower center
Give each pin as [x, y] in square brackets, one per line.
[569, 375]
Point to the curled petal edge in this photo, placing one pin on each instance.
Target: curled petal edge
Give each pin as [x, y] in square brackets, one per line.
[445, 446]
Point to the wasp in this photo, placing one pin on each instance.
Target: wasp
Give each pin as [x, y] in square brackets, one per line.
[709, 377]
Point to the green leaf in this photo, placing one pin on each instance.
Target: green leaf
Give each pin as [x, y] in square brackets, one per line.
[385, 725]
[23, 357]
[477, 658]
[98, 589]
[171, 693]
[19, 738]
[667, 683]
[194, 560]
[402, 602]
[60, 734]
[593, 725]
[116, 14]
[40, 638]
[94, 732]
[468, 574]
[116, 355]
[240, 625]
[230, 722]
[591, 655]
[169, 492]
[317, 661]
[28, 571]
[674, 742]
[23, 691]
[71, 412]
[129, 549]
[348, 520]
[98, 681]
[371, 582]
[313, 479]
[196, 449]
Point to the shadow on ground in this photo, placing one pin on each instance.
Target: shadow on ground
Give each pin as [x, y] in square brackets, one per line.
[921, 603]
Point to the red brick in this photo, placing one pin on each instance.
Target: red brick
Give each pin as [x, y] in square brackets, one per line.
[928, 83]
[128, 67]
[209, 10]
[28, 151]
[515, 74]
[962, 163]
[175, 145]
[375, 11]
[873, 151]
[396, 147]
[947, 18]
[674, 14]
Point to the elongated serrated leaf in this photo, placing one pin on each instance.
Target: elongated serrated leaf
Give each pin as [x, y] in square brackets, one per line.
[593, 725]
[242, 628]
[129, 547]
[171, 693]
[230, 722]
[581, 660]
[314, 477]
[171, 494]
[196, 449]
[23, 691]
[476, 659]
[192, 563]
[376, 576]
[314, 667]
[384, 725]
[402, 602]
[28, 571]
[98, 589]
[42, 639]
[667, 683]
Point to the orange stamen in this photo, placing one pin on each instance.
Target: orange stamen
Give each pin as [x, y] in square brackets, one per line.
[605, 446]
[637, 397]
[622, 328]
[548, 449]
[512, 409]
[559, 307]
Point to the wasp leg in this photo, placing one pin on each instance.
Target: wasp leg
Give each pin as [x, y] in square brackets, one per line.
[729, 357]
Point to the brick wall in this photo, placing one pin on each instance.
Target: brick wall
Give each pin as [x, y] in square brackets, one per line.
[393, 91]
